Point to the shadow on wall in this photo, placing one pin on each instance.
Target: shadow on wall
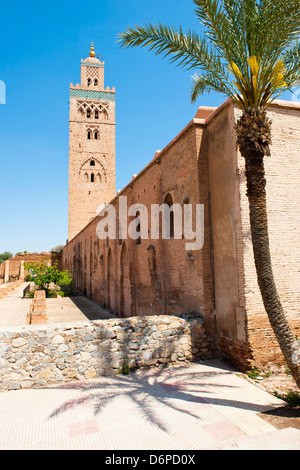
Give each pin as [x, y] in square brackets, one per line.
[147, 341]
[87, 350]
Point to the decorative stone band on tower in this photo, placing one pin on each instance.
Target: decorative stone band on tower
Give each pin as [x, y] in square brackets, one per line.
[91, 144]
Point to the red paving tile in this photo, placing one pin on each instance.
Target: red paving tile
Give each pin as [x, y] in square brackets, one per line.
[84, 427]
[224, 431]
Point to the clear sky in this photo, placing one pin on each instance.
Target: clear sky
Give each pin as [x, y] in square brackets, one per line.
[42, 44]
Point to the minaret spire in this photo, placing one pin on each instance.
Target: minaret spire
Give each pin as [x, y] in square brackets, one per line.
[92, 52]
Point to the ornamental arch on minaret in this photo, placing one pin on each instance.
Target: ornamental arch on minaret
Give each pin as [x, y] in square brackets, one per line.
[91, 144]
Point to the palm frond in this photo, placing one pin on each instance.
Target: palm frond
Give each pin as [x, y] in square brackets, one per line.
[206, 83]
[291, 59]
[221, 29]
[187, 50]
[238, 51]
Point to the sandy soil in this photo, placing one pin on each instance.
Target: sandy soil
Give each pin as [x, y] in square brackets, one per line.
[285, 416]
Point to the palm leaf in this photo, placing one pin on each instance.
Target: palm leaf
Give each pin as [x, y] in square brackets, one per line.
[187, 50]
[238, 52]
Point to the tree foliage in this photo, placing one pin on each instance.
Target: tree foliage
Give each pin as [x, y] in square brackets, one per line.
[43, 275]
[5, 256]
[58, 248]
[249, 50]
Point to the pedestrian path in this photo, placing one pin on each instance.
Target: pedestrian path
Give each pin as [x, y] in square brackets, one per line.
[196, 406]
[189, 407]
[14, 309]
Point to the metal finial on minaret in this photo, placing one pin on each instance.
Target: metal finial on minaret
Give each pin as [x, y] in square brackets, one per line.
[92, 52]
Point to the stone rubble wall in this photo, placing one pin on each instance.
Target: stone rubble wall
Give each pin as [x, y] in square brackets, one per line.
[41, 355]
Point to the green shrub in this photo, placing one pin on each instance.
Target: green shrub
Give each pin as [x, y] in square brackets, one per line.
[43, 275]
[125, 369]
[50, 294]
[292, 398]
[253, 373]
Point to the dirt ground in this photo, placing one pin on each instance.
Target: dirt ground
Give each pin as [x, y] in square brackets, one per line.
[285, 416]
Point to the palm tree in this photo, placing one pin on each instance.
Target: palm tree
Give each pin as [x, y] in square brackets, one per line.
[248, 50]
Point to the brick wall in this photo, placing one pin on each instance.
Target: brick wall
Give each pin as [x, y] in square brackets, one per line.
[14, 265]
[283, 199]
[243, 330]
[157, 277]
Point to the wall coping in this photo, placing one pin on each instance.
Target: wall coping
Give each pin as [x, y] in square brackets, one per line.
[111, 321]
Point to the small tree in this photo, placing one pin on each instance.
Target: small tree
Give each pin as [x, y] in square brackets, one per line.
[58, 248]
[43, 275]
[5, 255]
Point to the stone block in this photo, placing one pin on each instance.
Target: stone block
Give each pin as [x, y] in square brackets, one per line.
[35, 318]
[40, 294]
[37, 308]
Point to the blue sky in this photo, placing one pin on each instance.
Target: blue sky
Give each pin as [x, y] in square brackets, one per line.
[42, 44]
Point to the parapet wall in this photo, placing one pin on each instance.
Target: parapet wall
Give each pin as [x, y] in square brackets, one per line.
[41, 355]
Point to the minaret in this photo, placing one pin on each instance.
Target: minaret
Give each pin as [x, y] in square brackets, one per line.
[91, 144]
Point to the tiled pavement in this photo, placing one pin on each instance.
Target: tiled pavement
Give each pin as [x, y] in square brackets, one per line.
[196, 406]
[13, 309]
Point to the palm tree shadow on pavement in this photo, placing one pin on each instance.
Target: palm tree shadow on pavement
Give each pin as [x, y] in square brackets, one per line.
[151, 389]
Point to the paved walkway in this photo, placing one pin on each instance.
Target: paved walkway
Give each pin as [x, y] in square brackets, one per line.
[189, 407]
[13, 309]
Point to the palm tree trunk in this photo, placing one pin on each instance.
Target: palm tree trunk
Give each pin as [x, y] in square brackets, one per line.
[254, 153]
